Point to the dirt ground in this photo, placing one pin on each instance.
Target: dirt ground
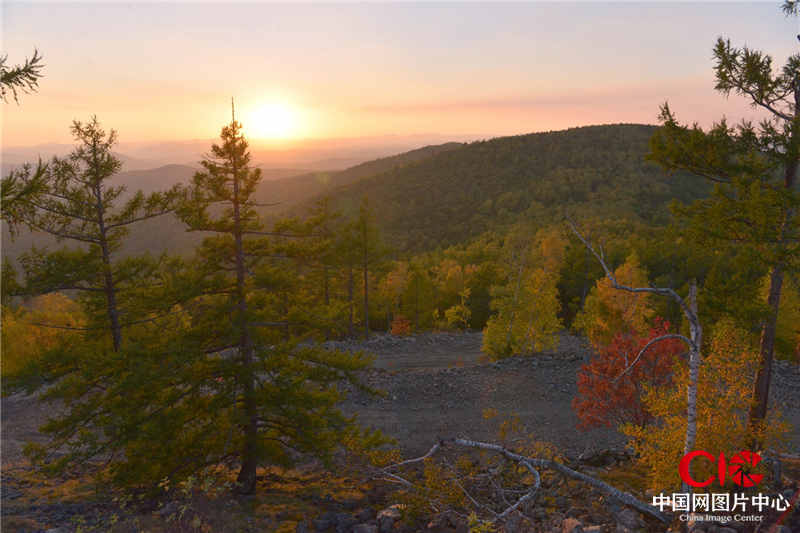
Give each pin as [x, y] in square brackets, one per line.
[439, 385]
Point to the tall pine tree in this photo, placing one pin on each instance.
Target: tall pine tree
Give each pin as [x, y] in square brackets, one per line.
[754, 168]
[280, 395]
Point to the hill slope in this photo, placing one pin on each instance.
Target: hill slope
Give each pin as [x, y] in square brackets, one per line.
[457, 194]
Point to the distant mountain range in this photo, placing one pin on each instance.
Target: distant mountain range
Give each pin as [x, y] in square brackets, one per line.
[298, 155]
[444, 194]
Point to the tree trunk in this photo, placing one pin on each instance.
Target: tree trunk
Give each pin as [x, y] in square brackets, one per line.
[108, 277]
[246, 479]
[350, 283]
[366, 302]
[696, 336]
[758, 410]
[366, 283]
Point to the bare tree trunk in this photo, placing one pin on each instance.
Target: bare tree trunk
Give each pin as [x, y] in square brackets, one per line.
[350, 283]
[366, 284]
[694, 342]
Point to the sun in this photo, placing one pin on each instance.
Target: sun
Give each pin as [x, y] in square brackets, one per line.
[273, 121]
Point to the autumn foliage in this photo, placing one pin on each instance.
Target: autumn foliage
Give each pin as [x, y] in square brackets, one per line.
[610, 390]
[724, 394]
[401, 326]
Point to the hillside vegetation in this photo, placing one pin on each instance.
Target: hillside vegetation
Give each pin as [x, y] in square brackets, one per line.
[457, 194]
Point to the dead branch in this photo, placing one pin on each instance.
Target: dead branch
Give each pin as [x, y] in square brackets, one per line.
[531, 464]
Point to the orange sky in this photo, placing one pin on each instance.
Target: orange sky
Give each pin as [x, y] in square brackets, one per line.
[167, 71]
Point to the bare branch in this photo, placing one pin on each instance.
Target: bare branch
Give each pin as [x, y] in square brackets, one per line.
[530, 463]
[648, 345]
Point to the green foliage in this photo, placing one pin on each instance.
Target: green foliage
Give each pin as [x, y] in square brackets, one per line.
[20, 78]
[213, 364]
[459, 194]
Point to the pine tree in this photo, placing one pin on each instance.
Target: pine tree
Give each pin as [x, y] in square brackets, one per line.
[275, 396]
[754, 169]
[76, 203]
[97, 370]
[362, 249]
[20, 78]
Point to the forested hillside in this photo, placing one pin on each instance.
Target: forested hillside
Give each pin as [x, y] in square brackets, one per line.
[458, 194]
[295, 189]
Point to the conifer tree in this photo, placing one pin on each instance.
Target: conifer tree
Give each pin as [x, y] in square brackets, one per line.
[754, 169]
[371, 251]
[76, 203]
[275, 396]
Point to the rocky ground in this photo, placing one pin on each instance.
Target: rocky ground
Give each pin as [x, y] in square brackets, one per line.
[436, 385]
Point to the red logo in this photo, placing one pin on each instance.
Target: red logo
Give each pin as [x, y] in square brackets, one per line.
[739, 469]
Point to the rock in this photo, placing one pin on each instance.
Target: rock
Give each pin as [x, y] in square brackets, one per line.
[168, 509]
[387, 517]
[56, 530]
[345, 523]
[365, 515]
[323, 524]
[365, 528]
[593, 529]
[628, 520]
[302, 527]
[571, 525]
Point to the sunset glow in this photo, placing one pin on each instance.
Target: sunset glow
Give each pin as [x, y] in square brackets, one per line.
[273, 121]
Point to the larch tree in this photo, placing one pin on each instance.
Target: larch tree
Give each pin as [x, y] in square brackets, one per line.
[76, 203]
[754, 169]
[101, 368]
[25, 182]
[273, 396]
[364, 250]
[22, 78]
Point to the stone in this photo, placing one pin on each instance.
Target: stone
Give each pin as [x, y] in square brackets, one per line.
[323, 524]
[593, 529]
[388, 517]
[629, 520]
[302, 527]
[571, 525]
[365, 528]
[345, 523]
[365, 515]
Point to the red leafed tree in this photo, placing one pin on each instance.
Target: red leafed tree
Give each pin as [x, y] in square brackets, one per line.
[610, 386]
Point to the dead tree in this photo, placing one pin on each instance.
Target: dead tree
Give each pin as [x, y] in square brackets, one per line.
[694, 341]
[532, 465]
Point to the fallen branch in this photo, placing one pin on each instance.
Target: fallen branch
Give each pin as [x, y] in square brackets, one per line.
[531, 464]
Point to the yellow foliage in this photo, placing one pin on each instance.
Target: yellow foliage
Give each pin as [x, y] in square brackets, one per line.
[608, 311]
[527, 320]
[23, 340]
[787, 334]
[723, 401]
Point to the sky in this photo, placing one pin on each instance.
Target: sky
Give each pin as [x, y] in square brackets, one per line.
[167, 71]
